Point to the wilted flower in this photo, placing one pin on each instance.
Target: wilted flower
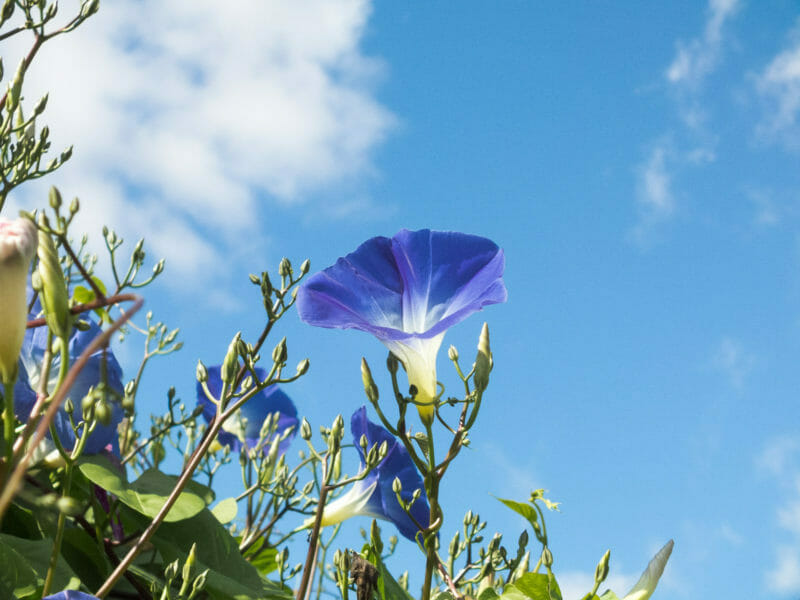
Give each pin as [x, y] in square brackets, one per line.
[646, 585]
[17, 247]
[102, 372]
[266, 402]
[373, 496]
[407, 291]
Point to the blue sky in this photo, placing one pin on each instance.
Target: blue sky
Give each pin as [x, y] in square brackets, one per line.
[638, 162]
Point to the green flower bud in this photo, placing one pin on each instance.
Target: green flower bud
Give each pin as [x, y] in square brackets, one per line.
[362, 441]
[285, 267]
[190, 562]
[5, 15]
[102, 412]
[12, 95]
[305, 429]
[280, 353]
[305, 266]
[392, 363]
[452, 353]
[397, 485]
[302, 366]
[369, 384]
[601, 572]
[54, 296]
[547, 557]
[201, 373]
[54, 196]
[230, 366]
[483, 360]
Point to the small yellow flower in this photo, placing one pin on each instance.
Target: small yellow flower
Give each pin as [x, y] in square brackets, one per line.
[18, 241]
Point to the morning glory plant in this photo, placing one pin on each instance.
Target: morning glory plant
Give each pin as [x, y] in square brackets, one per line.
[244, 428]
[376, 495]
[407, 291]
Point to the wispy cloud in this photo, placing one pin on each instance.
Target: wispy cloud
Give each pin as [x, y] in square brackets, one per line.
[654, 197]
[779, 459]
[576, 584]
[694, 60]
[194, 120]
[779, 87]
[734, 360]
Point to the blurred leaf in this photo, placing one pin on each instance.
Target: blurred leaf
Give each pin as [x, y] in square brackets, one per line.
[263, 559]
[225, 510]
[148, 493]
[535, 586]
[23, 567]
[230, 576]
[488, 594]
[609, 595]
[84, 556]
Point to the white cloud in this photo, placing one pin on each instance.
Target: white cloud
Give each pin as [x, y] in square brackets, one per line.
[733, 359]
[192, 120]
[695, 59]
[778, 455]
[779, 86]
[654, 196]
[784, 577]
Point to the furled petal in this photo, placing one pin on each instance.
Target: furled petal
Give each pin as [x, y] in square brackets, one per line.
[373, 496]
[101, 367]
[268, 401]
[17, 246]
[407, 291]
[646, 585]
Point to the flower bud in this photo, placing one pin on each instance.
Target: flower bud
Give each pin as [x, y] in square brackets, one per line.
[305, 266]
[280, 353]
[54, 296]
[8, 10]
[547, 557]
[190, 561]
[601, 572]
[12, 95]
[337, 429]
[17, 246]
[201, 373]
[305, 429]
[230, 366]
[452, 353]
[302, 366]
[363, 442]
[74, 206]
[392, 363]
[102, 412]
[483, 360]
[285, 267]
[397, 485]
[54, 196]
[369, 384]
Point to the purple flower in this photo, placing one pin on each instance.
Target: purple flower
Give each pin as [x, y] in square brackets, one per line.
[71, 595]
[266, 402]
[407, 291]
[102, 367]
[373, 496]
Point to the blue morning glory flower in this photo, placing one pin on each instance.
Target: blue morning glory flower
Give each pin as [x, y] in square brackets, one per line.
[101, 367]
[407, 291]
[373, 496]
[71, 595]
[268, 401]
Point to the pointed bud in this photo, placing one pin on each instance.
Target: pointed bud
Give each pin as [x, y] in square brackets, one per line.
[601, 572]
[547, 557]
[483, 360]
[285, 267]
[40, 106]
[201, 373]
[305, 429]
[280, 353]
[8, 10]
[190, 561]
[230, 366]
[302, 367]
[54, 296]
[369, 384]
[452, 353]
[397, 485]
[305, 266]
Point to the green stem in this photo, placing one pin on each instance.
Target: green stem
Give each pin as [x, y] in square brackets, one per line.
[8, 425]
[432, 489]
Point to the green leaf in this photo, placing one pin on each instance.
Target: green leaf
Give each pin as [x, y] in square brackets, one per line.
[225, 510]
[24, 567]
[488, 594]
[147, 494]
[82, 295]
[536, 586]
[84, 556]
[609, 595]
[526, 510]
[263, 559]
[230, 576]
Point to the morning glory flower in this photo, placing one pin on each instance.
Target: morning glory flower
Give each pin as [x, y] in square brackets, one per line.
[373, 496]
[101, 367]
[71, 595]
[18, 240]
[407, 291]
[266, 402]
[646, 585]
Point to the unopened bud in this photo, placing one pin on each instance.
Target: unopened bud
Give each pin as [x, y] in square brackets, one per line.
[102, 412]
[363, 442]
[280, 352]
[382, 450]
[75, 205]
[392, 363]
[305, 429]
[302, 366]
[369, 384]
[40, 106]
[54, 296]
[285, 267]
[305, 266]
[483, 360]
[190, 561]
[452, 353]
[601, 572]
[397, 485]
[230, 366]
[54, 197]
[201, 373]
[547, 557]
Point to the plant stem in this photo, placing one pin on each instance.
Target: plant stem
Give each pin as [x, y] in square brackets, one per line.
[432, 489]
[8, 426]
[312, 544]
